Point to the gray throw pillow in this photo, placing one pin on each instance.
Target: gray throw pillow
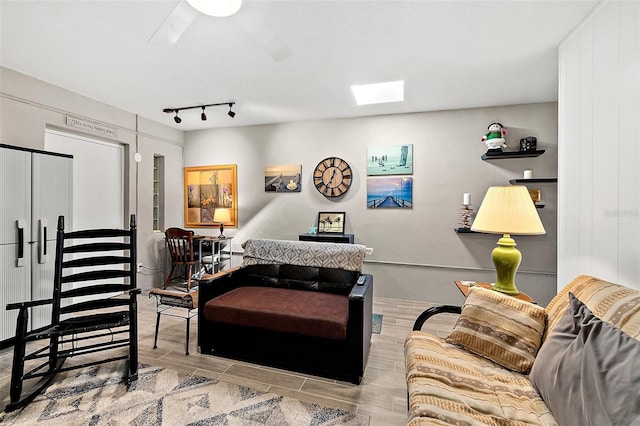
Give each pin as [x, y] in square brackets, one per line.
[588, 371]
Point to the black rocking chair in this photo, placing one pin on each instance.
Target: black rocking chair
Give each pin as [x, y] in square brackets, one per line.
[93, 310]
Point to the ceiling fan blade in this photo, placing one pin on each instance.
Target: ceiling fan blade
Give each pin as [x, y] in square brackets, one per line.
[263, 35]
[175, 24]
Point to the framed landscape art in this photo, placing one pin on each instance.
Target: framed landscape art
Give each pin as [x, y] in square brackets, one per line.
[331, 222]
[390, 160]
[207, 188]
[390, 192]
[283, 178]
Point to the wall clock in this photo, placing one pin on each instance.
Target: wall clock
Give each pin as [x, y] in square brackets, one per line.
[332, 177]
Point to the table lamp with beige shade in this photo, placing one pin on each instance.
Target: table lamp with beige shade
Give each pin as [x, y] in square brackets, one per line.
[222, 216]
[507, 210]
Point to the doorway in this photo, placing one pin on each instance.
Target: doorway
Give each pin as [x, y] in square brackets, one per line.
[98, 179]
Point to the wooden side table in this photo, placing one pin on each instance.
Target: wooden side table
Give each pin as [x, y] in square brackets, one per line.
[463, 286]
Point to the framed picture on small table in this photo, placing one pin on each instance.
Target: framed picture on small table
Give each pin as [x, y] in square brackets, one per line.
[331, 222]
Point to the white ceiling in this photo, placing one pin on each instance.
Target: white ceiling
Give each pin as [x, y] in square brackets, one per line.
[451, 54]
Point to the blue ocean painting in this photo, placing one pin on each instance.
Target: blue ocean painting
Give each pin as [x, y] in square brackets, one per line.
[390, 192]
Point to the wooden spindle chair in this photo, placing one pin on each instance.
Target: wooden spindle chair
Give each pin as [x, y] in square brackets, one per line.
[180, 246]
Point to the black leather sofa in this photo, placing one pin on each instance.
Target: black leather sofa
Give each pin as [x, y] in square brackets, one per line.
[303, 318]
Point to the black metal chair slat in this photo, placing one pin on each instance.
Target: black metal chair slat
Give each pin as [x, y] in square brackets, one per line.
[95, 261]
[94, 322]
[95, 275]
[97, 233]
[95, 289]
[94, 247]
[93, 304]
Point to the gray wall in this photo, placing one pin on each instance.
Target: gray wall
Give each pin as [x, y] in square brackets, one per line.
[417, 254]
[600, 147]
[29, 106]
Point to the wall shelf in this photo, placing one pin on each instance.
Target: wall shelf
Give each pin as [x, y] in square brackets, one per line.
[464, 231]
[500, 155]
[532, 180]
[467, 231]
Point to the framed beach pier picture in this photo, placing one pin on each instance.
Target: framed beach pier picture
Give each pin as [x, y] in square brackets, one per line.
[207, 188]
[390, 192]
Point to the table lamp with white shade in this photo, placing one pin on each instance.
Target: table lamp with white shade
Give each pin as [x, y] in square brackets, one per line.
[222, 216]
[507, 210]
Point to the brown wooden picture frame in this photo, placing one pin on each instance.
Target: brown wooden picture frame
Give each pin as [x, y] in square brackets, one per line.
[207, 188]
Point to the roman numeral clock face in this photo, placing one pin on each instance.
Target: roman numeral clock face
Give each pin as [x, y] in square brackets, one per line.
[332, 177]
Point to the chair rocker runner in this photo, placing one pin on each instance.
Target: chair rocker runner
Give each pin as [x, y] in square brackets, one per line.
[90, 267]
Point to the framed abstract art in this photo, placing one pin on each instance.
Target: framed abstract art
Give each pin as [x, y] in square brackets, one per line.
[207, 188]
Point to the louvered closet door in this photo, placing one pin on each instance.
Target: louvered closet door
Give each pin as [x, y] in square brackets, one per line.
[15, 213]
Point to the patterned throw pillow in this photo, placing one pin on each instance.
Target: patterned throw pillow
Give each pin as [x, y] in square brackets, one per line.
[506, 330]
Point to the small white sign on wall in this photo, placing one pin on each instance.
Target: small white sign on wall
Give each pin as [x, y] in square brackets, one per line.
[92, 127]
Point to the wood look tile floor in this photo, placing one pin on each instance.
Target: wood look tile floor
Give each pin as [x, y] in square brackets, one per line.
[381, 396]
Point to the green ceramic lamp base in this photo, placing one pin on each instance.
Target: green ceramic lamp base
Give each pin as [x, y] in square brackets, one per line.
[506, 258]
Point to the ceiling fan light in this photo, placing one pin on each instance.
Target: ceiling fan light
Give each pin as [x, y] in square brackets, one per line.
[218, 8]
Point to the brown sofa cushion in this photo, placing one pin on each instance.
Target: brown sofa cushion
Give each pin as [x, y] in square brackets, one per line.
[302, 312]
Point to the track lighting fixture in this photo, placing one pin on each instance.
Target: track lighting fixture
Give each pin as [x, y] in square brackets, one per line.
[203, 116]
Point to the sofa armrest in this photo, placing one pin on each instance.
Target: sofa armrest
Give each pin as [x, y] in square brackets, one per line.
[359, 327]
[359, 291]
[435, 310]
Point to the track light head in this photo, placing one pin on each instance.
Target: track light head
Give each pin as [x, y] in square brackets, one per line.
[203, 116]
[176, 118]
[231, 113]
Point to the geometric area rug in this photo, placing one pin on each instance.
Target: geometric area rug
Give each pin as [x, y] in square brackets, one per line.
[98, 396]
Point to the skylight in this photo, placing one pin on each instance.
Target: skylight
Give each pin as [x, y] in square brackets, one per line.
[379, 93]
